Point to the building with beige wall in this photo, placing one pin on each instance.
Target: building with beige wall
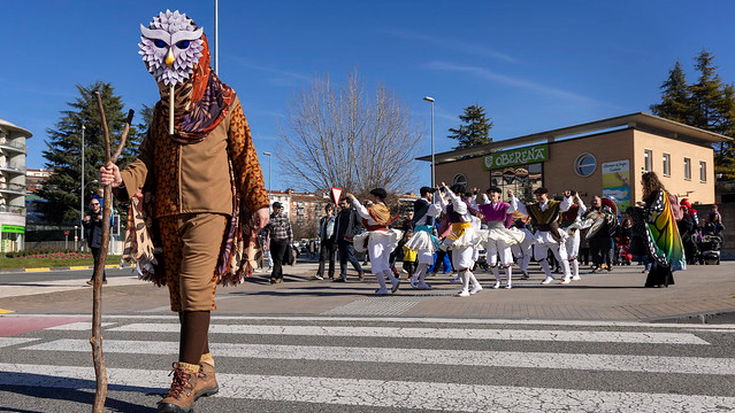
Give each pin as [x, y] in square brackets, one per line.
[604, 157]
[12, 186]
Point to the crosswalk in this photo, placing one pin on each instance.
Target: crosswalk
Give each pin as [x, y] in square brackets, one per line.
[335, 364]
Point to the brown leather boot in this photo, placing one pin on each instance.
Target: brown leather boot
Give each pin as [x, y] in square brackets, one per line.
[180, 398]
[207, 384]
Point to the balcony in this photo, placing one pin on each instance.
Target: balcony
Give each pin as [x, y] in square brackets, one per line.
[15, 189]
[12, 146]
[13, 169]
[11, 209]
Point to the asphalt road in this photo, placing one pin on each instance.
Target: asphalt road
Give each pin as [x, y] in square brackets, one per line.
[338, 364]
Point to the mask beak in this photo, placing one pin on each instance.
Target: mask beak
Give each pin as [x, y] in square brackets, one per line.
[170, 57]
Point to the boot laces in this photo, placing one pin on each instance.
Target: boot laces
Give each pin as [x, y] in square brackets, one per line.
[181, 381]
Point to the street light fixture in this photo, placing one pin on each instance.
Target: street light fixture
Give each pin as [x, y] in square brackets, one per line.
[268, 154]
[433, 169]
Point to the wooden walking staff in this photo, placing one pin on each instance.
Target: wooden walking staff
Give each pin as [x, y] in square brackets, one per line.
[96, 340]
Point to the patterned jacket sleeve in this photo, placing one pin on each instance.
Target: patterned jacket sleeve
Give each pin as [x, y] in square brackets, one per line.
[134, 175]
[248, 175]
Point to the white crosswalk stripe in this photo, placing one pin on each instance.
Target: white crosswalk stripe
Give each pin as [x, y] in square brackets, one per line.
[446, 333]
[650, 364]
[377, 393]
[352, 364]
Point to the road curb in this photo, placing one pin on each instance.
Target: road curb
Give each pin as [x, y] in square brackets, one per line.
[49, 269]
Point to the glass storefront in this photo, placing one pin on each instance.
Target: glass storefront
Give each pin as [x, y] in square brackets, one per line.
[522, 179]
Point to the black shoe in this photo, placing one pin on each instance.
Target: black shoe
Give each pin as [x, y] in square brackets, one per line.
[340, 279]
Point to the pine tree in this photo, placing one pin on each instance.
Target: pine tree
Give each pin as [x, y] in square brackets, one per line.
[676, 101]
[708, 104]
[476, 128]
[62, 189]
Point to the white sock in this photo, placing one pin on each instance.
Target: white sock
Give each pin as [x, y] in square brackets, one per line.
[464, 275]
[509, 273]
[381, 280]
[473, 279]
[565, 269]
[496, 273]
[545, 266]
[524, 262]
[390, 275]
[420, 273]
[575, 267]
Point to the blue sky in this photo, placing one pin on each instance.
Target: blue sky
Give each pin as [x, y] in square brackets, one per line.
[533, 65]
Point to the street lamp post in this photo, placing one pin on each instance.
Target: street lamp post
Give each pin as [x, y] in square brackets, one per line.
[433, 170]
[268, 154]
[81, 208]
[94, 181]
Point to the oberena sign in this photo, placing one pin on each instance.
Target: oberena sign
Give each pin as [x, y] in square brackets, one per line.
[521, 156]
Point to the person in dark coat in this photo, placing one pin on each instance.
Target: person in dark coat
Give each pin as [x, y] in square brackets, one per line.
[92, 223]
[346, 226]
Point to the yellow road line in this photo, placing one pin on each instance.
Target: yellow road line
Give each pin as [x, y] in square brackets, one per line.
[79, 267]
[38, 269]
[4, 311]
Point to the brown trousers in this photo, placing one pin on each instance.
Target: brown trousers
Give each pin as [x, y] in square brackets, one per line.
[191, 246]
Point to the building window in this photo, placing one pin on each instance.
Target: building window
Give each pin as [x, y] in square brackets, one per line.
[667, 164]
[687, 169]
[459, 179]
[585, 164]
[648, 160]
[702, 171]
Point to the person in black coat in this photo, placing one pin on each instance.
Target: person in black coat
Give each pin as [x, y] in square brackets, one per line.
[346, 226]
[92, 223]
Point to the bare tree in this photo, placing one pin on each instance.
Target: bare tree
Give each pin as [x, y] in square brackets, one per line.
[345, 138]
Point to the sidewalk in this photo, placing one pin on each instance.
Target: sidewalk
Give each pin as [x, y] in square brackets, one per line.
[608, 296]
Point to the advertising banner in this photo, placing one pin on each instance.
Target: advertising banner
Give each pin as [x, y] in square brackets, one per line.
[616, 182]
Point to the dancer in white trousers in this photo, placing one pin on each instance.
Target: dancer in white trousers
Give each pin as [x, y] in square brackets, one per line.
[464, 237]
[571, 221]
[548, 236]
[423, 241]
[381, 240]
[498, 215]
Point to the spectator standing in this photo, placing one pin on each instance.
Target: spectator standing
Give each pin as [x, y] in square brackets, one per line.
[346, 226]
[326, 242]
[92, 223]
[688, 231]
[714, 226]
[599, 234]
[281, 237]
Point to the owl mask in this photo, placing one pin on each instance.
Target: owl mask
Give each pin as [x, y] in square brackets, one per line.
[171, 45]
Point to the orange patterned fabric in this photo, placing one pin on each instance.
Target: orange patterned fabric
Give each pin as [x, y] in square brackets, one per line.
[248, 175]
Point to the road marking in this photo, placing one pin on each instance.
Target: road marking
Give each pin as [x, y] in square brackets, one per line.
[592, 362]
[426, 320]
[79, 326]
[4, 311]
[12, 341]
[80, 267]
[40, 269]
[376, 393]
[435, 333]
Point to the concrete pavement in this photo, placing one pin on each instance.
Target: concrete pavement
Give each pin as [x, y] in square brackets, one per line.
[701, 294]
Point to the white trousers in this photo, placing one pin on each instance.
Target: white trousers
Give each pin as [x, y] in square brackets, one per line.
[498, 247]
[572, 245]
[463, 258]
